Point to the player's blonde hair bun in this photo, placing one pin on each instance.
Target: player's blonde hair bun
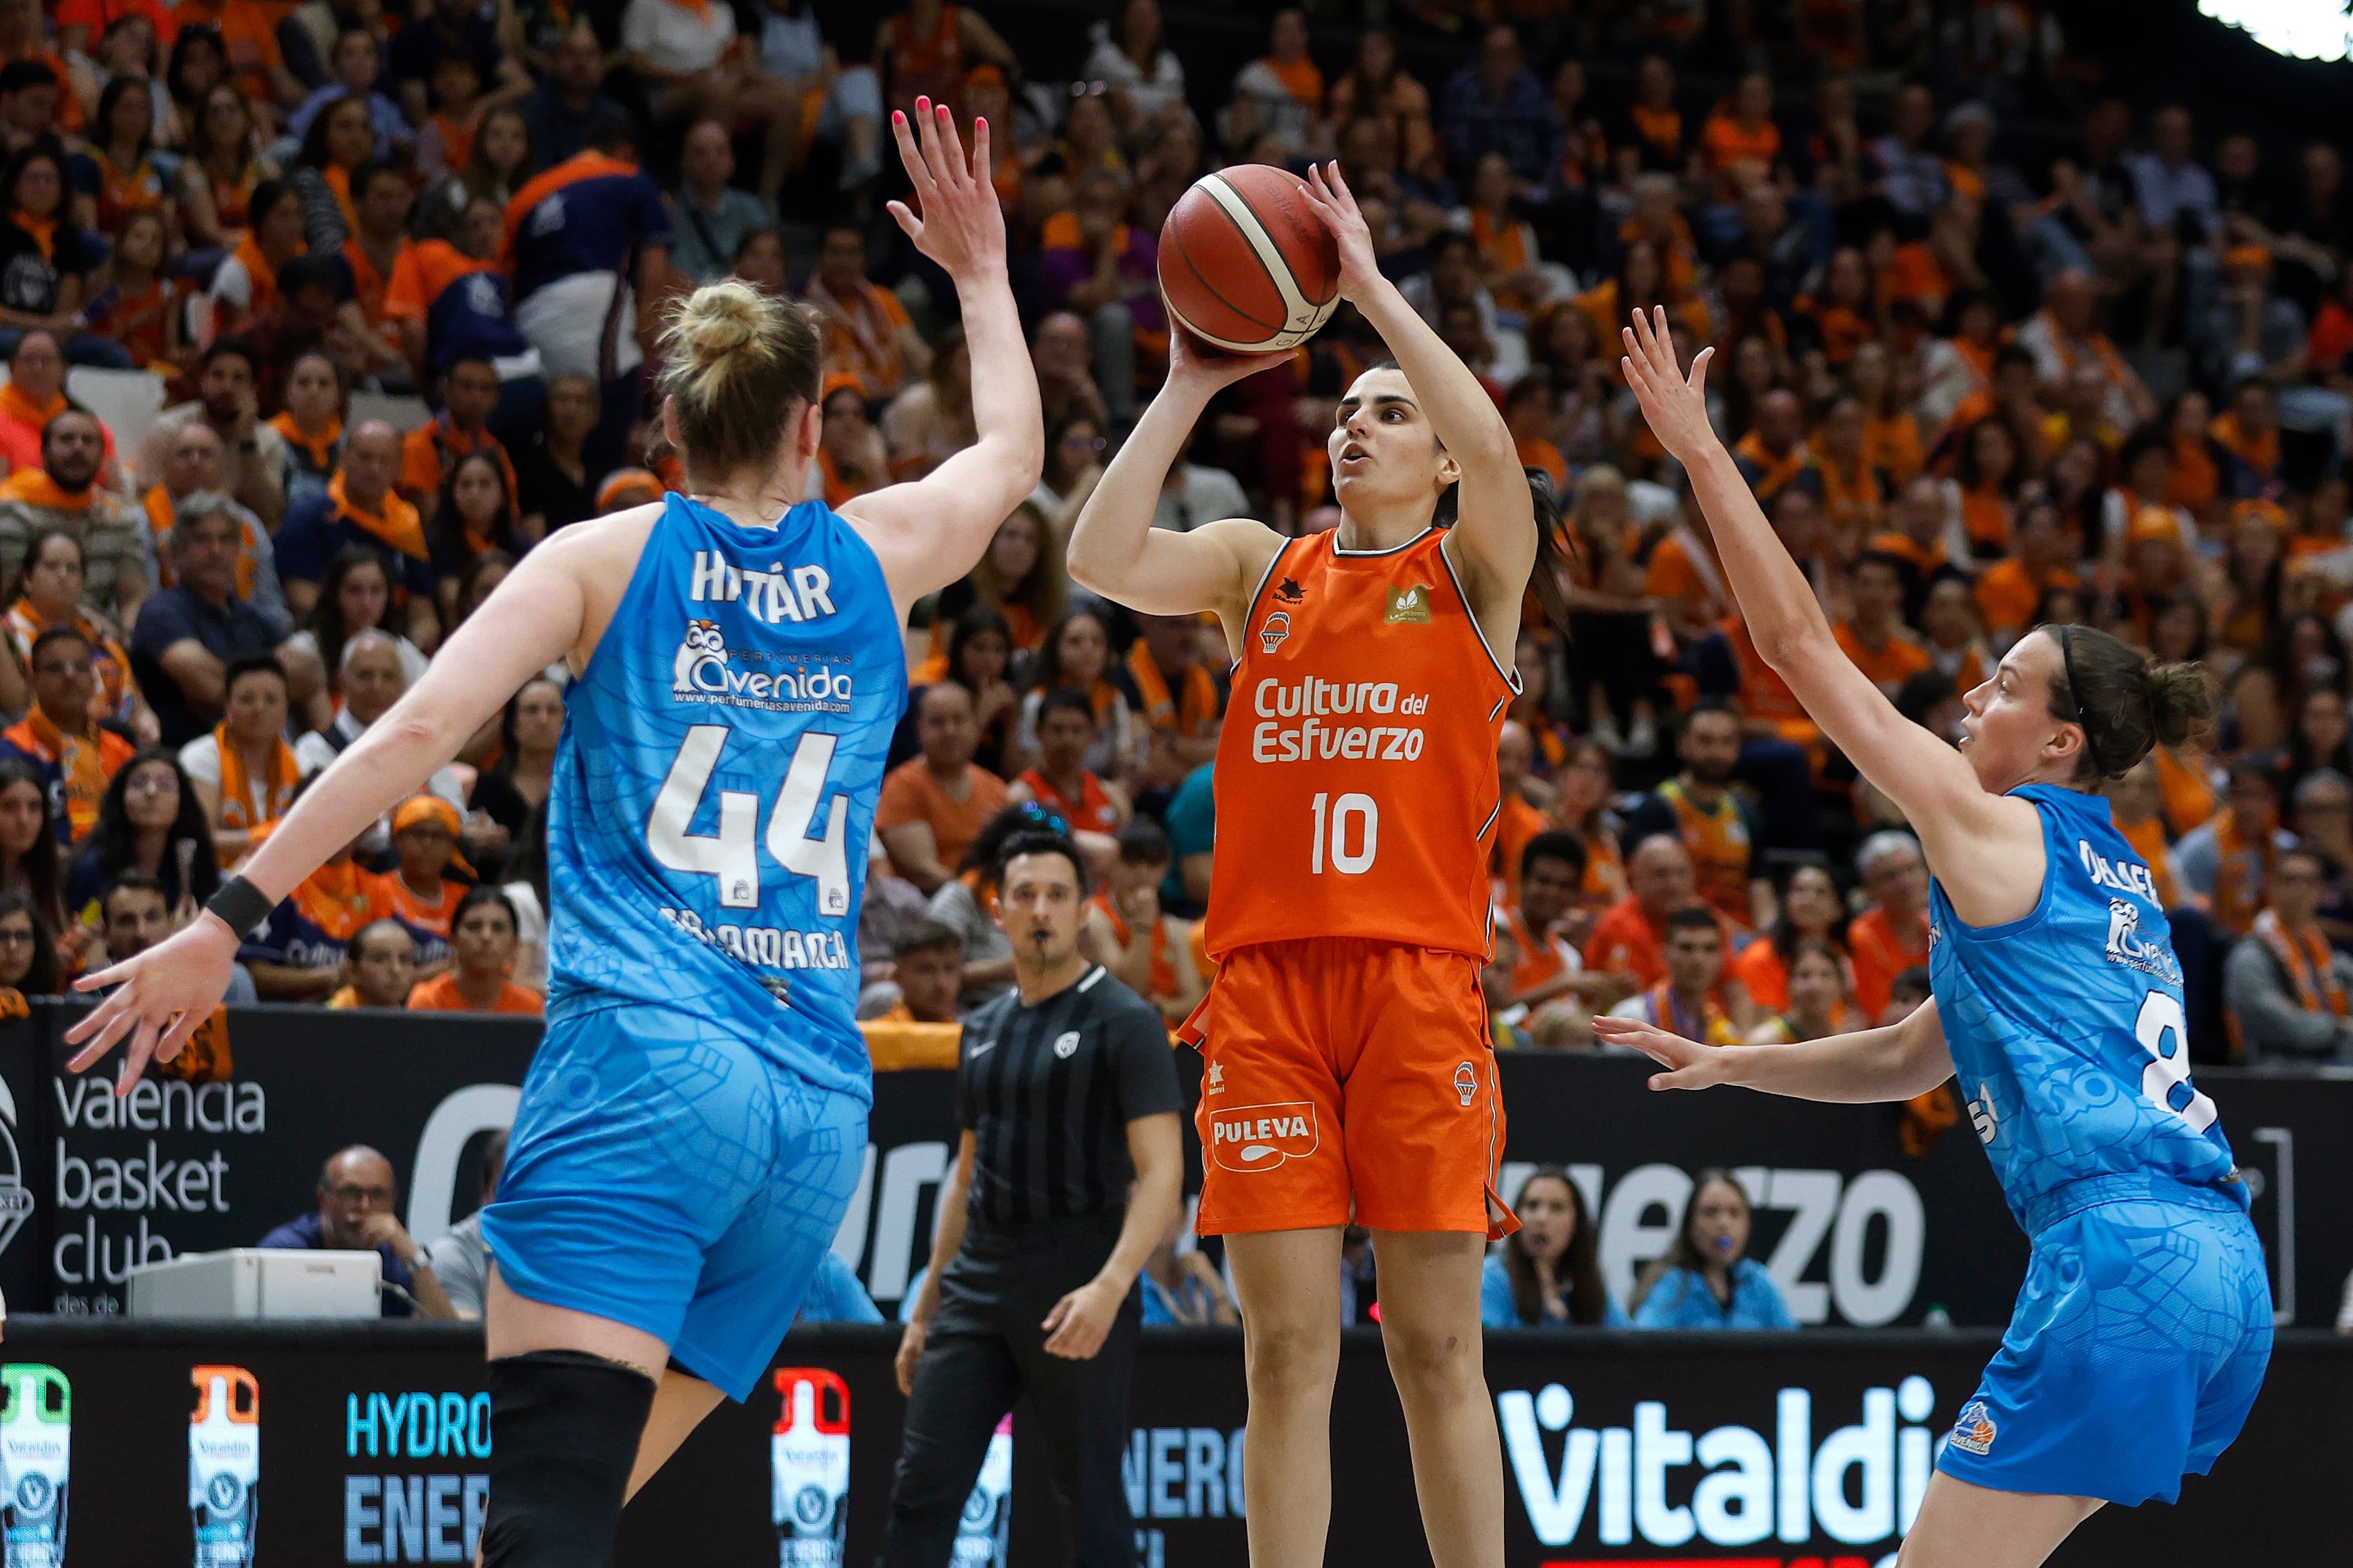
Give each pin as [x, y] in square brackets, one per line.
[739, 363]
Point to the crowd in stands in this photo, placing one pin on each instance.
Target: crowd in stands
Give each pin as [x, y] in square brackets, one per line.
[1999, 344]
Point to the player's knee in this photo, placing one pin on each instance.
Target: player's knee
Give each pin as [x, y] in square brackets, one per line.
[1436, 1360]
[566, 1426]
[1288, 1358]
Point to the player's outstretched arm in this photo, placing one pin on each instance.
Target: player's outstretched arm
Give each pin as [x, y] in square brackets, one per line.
[530, 621]
[929, 534]
[1115, 551]
[1935, 787]
[1494, 542]
[1894, 1062]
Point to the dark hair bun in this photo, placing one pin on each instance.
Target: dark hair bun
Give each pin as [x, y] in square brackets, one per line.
[2180, 700]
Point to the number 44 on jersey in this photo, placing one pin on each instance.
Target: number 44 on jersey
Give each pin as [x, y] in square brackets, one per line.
[732, 854]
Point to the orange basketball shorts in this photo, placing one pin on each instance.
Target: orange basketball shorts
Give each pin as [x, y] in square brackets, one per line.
[1347, 1081]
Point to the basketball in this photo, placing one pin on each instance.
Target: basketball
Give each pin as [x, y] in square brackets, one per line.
[1246, 264]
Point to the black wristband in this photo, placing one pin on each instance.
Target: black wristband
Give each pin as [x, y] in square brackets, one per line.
[241, 905]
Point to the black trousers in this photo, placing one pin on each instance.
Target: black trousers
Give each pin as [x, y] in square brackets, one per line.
[986, 1349]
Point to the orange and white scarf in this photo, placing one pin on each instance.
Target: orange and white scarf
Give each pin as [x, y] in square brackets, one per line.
[1162, 710]
[320, 448]
[2245, 868]
[35, 488]
[16, 406]
[2259, 453]
[81, 759]
[2305, 957]
[1773, 473]
[396, 525]
[241, 808]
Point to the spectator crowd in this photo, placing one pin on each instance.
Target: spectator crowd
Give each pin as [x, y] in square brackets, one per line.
[1999, 343]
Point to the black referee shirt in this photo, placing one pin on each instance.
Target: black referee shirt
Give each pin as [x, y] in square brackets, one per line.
[1047, 1092]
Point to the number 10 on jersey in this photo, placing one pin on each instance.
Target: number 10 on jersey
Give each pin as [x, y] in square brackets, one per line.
[732, 854]
[1351, 816]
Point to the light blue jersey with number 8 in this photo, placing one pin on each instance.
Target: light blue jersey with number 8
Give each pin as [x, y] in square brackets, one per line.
[2067, 1028]
[715, 789]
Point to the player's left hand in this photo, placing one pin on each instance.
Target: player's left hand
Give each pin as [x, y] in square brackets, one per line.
[1691, 1065]
[1081, 1321]
[962, 227]
[1675, 406]
[162, 997]
[1328, 194]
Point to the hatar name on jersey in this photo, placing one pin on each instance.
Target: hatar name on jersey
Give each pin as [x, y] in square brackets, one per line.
[2124, 876]
[778, 593]
[766, 947]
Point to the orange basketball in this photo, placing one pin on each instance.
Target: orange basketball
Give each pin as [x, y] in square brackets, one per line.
[1245, 265]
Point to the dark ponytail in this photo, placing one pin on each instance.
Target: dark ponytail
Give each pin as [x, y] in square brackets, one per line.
[1548, 579]
[2126, 703]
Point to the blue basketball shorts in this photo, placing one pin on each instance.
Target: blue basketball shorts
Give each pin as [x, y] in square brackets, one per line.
[665, 1173]
[2137, 1347]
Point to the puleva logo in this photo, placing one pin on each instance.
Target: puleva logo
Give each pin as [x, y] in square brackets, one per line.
[1248, 1138]
[1410, 606]
[703, 645]
[1272, 631]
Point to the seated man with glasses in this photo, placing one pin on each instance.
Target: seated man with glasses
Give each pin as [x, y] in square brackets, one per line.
[357, 1200]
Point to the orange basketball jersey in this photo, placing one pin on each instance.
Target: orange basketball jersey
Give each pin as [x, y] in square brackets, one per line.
[1356, 778]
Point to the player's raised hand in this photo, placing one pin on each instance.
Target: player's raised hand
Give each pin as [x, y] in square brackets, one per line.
[961, 226]
[1691, 1065]
[1194, 362]
[1328, 194]
[161, 997]
[1675, 405]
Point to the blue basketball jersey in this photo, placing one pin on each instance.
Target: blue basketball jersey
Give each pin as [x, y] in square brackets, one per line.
[2066, 1026]
[715, 788]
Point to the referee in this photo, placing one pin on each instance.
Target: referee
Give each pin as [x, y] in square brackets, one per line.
[1066, 1094]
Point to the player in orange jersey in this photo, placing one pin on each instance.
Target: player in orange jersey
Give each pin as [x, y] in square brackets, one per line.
[1345, 1036]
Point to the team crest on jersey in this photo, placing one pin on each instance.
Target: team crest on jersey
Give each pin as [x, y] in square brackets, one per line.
[1466, 1082]
[1408, 605]
[1272, 631]
[1249, 1138]
[702, 661]
[2128, 947]
[1974, 1431]
[1066, 1043]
